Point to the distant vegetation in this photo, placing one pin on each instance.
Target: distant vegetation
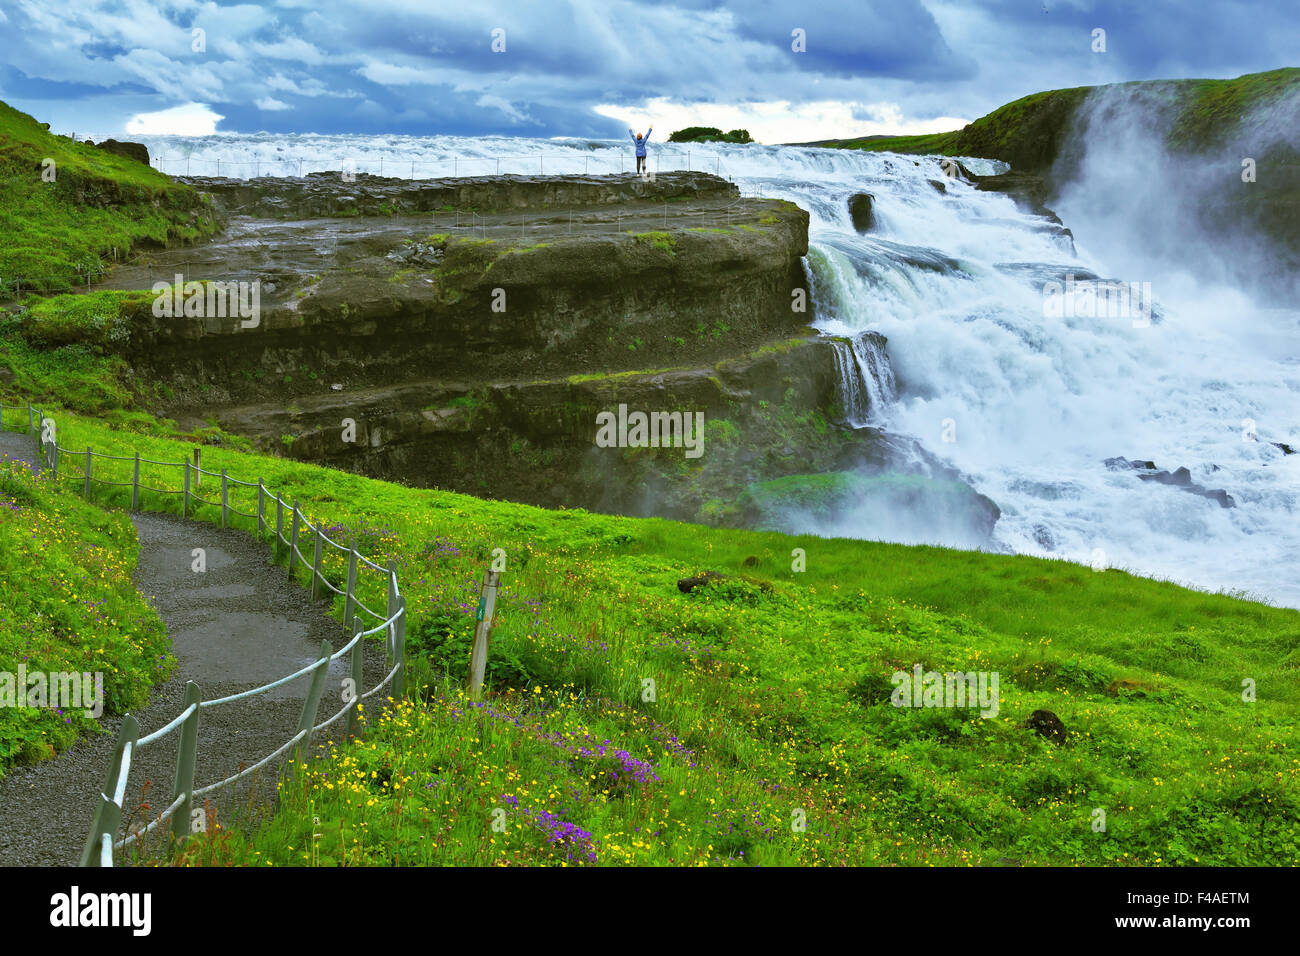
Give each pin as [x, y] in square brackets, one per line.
[710, 134]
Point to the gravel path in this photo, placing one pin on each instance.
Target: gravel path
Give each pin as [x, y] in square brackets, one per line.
[238, 625]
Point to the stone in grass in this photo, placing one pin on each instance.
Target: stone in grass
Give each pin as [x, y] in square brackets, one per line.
[687, 585]
[1047, 724]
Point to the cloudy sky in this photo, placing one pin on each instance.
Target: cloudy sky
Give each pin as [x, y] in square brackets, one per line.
[592, 68]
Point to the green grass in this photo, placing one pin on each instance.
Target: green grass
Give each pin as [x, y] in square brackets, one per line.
[55, 232]
[657, 240]
[69, 606]
[770, 701]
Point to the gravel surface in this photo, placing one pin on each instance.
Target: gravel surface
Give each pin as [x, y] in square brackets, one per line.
[237, 625]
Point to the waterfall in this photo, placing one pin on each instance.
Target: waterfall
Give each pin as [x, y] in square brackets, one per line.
[866, 381]
[1026, 401]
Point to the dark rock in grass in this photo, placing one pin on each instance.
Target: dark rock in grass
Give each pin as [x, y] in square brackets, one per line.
[749, 562]
[1047, 724]
[862, 211]
[137, 151]
[1128, 685]
[687, 585]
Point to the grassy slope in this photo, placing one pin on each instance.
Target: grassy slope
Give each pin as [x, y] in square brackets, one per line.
[1027, 132]
[98, 203]
[771, 699]
[69, 606]
[770, 691]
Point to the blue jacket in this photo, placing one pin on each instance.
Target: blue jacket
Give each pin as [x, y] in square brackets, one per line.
[640, 143]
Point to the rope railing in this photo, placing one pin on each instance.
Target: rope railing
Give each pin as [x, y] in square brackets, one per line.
[99, 846]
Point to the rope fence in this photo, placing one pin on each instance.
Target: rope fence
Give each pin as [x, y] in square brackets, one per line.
[101, 840]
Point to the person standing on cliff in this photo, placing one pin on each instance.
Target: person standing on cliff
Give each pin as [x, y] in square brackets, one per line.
[639, 142]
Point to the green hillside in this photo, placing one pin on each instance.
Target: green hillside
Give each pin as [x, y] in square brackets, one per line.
[1028, 132]
[98, 206]
[771, 698]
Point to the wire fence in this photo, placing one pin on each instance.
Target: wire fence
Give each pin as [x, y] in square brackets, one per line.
[102, 839]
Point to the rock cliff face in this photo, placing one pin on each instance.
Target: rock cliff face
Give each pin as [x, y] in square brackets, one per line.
[536, 441]
[466, 334]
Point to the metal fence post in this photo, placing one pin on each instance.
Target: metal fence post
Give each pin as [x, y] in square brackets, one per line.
[349, 602]
[186, 752]
[31, 422]
[279, 525]
[135, 485]
[293, 540]
[225, 499]
[86, 492]
[354, 716]
[315, 565]
[185, 494]
[310, 705]
[261, 506]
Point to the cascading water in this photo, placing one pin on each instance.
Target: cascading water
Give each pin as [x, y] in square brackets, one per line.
[866, 379]
[1025, 400]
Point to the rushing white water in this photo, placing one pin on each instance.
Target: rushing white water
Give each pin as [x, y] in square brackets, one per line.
[1026, 401]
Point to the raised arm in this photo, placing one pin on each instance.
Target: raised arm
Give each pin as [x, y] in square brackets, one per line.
[648, 132]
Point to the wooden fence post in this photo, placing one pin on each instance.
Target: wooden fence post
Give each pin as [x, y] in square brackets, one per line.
[279, 525]
[108, 815]
[135, 485]
[86, 492]
[399, 652]
[186, 752]
[350, 600]
[225, 499]
[478, 657]
[354, 716]
[293, 540]
[198, 468]
[310, 705]
[315, 565]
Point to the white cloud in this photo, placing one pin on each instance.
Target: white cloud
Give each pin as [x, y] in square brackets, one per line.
[505, 106]
[290, 49]
[389, 75]
[781, 121]
[192, 119]
[271, 103]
